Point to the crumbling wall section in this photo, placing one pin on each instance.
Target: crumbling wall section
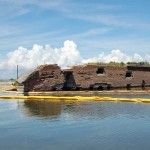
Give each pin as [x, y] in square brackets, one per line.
[91, 74]
[44, 78]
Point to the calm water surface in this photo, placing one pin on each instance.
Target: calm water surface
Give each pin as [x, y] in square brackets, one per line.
[43, 125]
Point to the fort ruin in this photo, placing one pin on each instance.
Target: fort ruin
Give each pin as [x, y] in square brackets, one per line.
[86, 77]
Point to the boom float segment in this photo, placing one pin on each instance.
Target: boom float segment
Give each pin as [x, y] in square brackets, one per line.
[78, 98]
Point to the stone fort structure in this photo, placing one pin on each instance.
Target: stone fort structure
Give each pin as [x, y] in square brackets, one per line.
[86, 77]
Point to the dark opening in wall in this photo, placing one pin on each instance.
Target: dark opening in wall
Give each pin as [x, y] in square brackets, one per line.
[100, 70]
[143, 84]
[101, 88]
[129, 74]
[69, 80]
[109, 87]
[128, 86]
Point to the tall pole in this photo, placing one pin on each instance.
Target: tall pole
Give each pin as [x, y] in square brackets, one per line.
[17, 71]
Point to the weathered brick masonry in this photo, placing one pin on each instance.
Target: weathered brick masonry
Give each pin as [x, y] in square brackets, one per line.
[52, 77]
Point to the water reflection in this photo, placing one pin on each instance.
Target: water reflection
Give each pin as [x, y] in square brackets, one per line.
[91, 110]
[47, 125]
[42, 108]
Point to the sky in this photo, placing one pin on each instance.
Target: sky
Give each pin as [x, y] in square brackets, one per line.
[68, 32]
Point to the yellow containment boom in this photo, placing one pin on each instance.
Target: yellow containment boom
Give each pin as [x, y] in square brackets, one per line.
[78, 98]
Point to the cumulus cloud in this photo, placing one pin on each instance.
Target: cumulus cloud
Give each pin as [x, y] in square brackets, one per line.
[65, 56]
[117, 56]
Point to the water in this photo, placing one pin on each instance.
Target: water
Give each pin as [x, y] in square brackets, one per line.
[44, 125]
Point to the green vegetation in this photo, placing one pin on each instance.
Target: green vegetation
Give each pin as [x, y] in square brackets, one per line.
[121, 64]
[117, 64]
[12, 81]
[7, 80]
[15, 83]
[143, 63]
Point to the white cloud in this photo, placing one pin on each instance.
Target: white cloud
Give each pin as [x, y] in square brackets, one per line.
[65, 56]
[117, 56]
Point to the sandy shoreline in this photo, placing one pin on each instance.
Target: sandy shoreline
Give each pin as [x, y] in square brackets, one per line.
[90, 93]
[4, 86]
[8, 87]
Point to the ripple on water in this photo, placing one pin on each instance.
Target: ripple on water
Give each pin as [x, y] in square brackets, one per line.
[64, 126]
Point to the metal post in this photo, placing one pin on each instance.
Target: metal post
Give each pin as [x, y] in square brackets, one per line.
[17, 71]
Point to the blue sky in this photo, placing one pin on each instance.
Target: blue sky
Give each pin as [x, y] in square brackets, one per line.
[96, 26]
